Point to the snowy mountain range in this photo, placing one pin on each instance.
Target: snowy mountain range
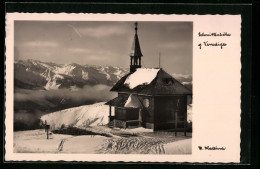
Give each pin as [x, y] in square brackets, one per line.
[33, 74]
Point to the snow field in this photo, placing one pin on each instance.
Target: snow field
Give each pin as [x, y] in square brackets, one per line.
[83, 144]
[33, 141]
[83, 116]
[178, 147]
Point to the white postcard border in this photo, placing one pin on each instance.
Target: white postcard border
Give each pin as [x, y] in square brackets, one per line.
[216, 76]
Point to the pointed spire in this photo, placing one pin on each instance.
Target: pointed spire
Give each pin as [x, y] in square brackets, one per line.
[136, 50]
[135, 53]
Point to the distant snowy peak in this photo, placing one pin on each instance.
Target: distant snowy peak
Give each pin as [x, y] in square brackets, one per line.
[85, 75]
[64, 69]
[182, 76]
[185, 79]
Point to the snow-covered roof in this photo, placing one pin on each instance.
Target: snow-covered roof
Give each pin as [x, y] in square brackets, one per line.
[133, 102]
[142, 76]
[118, 101]
[150, 82]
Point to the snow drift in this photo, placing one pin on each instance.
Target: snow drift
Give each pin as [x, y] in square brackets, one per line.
[83, 116]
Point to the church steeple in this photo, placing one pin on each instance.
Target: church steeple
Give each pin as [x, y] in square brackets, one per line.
[135, 53]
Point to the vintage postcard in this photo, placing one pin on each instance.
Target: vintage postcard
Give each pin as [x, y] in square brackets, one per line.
[123, 87]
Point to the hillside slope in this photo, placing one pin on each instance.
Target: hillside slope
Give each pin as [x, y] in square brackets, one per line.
[84, 116]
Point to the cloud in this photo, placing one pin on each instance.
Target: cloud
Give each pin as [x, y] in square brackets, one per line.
[175, 45]
[92, 54]
[40, 44]
[77, 50]
[180, 27]
[101, 31]
[87, 93]
[75, 30]
[26, 117]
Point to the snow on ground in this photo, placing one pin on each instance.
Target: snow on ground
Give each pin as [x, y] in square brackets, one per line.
[178, 147]
[139, 130]
[141, 76]
[131, 140]
[34, 141]
[83, 144]
[148, 143]
[145, 142]
[83, 116]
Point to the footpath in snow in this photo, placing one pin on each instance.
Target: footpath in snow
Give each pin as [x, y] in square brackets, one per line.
[132, 141]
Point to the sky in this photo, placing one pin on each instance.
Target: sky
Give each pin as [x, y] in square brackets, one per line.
[105, 43]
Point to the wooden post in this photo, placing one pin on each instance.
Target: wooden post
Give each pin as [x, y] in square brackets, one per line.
[45, 124]
[185, 116]
[110, 113]
[185, 121]
[140, 117]
[176, 122]
[47, 133]
[114, 123]
[176, 115]
[184, 129]
[47, 127]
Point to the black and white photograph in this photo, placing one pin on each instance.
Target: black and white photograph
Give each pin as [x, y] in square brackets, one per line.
[88, 87]
[103, 87]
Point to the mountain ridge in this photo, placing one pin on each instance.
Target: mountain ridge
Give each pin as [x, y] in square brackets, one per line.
[47, 75]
